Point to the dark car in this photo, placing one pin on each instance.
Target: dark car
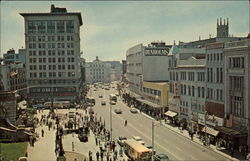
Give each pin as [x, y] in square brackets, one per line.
[161, 157]
[121, 140]
[82, 135]
[103, 103]
[118, 111]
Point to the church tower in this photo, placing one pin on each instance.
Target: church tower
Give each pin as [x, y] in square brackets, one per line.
[222, 28]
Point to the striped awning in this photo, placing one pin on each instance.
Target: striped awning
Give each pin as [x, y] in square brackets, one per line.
[210, 131]
[170, 113]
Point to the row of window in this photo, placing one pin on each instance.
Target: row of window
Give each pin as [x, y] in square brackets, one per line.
[96, 73]
[215, 57]
[236, 83]
[51, 26]
[191, 76]
[51, 38]
[237, 106]
[96, 70]
[218, 75]
[51, 74]
[52, 89]
[50, 45]
[51, 67]
[152, 91]
[236, 62]
[96, 65]
[52, 60]
[215, 94]
[53, 81]
[51, 52]
[98, 77]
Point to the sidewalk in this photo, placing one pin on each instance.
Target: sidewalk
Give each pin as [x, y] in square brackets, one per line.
[44, 147]
[184, 133]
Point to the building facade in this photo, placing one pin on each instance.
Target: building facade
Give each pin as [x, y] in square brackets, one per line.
[52, 43]
[11, 57]
[215, 81]
[98, 71]
[237, 88]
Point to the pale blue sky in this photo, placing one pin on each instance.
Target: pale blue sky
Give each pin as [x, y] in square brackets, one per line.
[110, 28]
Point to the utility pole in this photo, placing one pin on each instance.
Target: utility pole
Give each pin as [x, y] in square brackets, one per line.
[110, 121]
[152, 157]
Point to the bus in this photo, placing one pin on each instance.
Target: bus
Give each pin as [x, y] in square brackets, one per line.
[58, 104]
[136, 151]
[113, 97]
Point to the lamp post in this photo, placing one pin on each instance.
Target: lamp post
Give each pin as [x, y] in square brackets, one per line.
[153, 140]
[110, 115]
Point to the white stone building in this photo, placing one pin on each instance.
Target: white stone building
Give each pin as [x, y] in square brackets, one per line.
[237, 87]
[187, 83]
[98, 71]
[52, 43]
[146, 63]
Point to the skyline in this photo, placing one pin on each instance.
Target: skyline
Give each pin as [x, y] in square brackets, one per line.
[110, 28]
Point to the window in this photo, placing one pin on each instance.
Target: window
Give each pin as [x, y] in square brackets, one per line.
[199, 92]
[193, 92]
[60, 26]
[41, 26]
[51, 27]
[32, 25]
[70, 26]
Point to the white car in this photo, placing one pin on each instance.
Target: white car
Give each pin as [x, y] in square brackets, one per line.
[133, 110]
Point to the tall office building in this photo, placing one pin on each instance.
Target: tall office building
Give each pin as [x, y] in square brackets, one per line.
[52, 42]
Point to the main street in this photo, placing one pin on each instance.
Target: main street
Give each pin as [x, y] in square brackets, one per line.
[176, 146]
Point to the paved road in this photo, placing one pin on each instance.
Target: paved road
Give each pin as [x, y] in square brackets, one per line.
[174, 145]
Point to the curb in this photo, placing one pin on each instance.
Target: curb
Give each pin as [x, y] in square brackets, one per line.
[226, 156]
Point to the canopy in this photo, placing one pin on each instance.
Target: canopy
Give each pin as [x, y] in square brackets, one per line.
[149, 103]
[170, 113]
[210, 131]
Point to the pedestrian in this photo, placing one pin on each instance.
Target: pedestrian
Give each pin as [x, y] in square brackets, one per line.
[96, 141]
[101, 155]
[42, 133]
[97, 155]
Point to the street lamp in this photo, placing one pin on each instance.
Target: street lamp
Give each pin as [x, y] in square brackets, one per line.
[110, 120]
[153, 125]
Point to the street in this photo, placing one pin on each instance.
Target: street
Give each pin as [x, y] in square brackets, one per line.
[166, 141]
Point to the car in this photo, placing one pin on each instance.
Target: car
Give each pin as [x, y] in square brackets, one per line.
[161, 157]
[112, 102]
[100, 96]
[82, 135]
[121, 140]
[133, 110]
[103, 103]
[118, 111]
[117, 94]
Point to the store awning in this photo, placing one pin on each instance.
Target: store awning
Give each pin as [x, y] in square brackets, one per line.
[210, 131]
[170, 113]
[149, 103]
[230, 131]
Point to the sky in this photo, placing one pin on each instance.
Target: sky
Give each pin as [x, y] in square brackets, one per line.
[112, 27]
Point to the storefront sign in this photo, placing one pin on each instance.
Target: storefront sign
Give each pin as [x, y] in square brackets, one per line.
[201, 118]
[156, 52]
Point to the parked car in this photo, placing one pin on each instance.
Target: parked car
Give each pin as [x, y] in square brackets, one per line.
[161, 157]
[82, 135]
[112, 102]
[121, 140]
[103, 103]
[133, 110]
[100, 96]
[118, 111]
